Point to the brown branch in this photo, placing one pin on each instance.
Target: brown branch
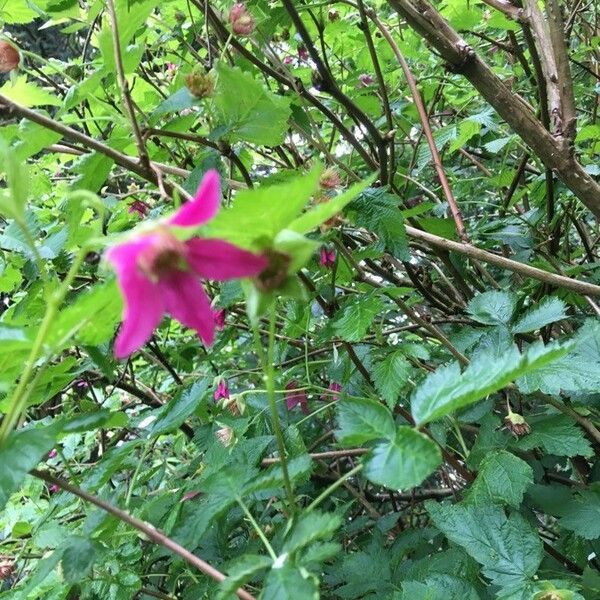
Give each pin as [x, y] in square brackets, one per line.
[321, 455]
[148, 530]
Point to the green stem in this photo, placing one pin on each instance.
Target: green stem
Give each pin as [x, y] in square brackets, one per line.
[334, 486]
[257, 528]
[18, 402]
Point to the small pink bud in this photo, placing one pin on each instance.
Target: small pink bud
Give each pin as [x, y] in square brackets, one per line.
[334, 391]
[222, 391]
[225, 436]
[365, 79]
[189, 495]
[219, 316]
[242, 22]
[52, 453]
[296, 397]
[9, 57]
[138, 207]
[288, 60]
[330, 179]
[54, 488]
[327, 257]
[302, 53]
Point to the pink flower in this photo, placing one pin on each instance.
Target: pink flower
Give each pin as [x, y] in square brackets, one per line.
[158, 273]
[54, 488]
[365, 79]
[295, 397]
[334, 391]
[330, 179]
[52, 453]
[288, 60]
[327, 257]
[242, 22]
[189, 496]
[222, 391]
[302, 53]
[139, 207]
[219, 316]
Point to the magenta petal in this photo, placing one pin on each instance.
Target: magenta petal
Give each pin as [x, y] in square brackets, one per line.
[220, 260]
[186, 300]
[204, 206]
[142, 311]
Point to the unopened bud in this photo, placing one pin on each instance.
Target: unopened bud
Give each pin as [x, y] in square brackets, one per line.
[330, 179]
[276, 272]
[7, 566]
[516, 424]
[333, 15]
[242, 22]
[9, 57]
[199, 83]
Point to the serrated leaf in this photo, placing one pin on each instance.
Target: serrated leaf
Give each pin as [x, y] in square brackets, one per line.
[78, 558]
[298, 467]
[403, 462]
[239, 571]
[582, 514]
[309, 527]
[173, 414]
[357, 316]
[289, 582]
[502, 478]
[508, 548]
[447, 389]
[390, 375]
[362, 420]
[176, 102]
[549, 310]
[28, 94]
[493, 307]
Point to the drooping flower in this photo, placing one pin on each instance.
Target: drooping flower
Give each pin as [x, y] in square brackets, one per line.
[516, 424]
[327, 257]
[330, 179]
[222, 391]
[333, 392]
[296, 397]
[303, 53]
[365, 79]
[158, 273]
[9, 57]
[54, 488]
[138, 207]
[219, 316]
[242, 22]
[288, 60]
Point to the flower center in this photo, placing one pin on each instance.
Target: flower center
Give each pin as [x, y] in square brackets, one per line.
[164, 256]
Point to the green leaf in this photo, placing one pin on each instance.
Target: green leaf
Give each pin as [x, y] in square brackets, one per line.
[93, 420]
[438, 587]
[299, 467]
[324, 211]
[176, 102]
[508, 548]
[549, 310]
[249, 112]
[78, 558]
[502, 478]
[239, 571]
[390, 375]
[357, 317]
[493, 308]
[289, 582]
[28, 94]
[21, 452]
[361, 420]
[403, 462]
[309, 527]
[556, 434]
[173, 414]
[582, 514]
[447, 389]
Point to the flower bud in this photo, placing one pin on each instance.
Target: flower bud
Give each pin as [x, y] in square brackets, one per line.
[222, 391]
[295, 397]
[365, 79]
[327, 257]
[199, 83]
[516, 424]
[242, 22]
[225, 436]
[333, 15]
[330, 179]
[219, 317]
[7, 566]
[9, 57]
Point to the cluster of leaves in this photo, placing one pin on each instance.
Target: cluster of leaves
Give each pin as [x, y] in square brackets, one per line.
[443, 434]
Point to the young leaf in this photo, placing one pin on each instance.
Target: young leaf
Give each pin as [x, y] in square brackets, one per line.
[357, 317]
[508, 549]
[549, 310]
[361, 420]
[240, 571]
[288, 582]
[78, 558]
[493, 308]
[309, 527]
[390, 375]
[404, 462]
[448, 389]
[502, 478]
[180, 408]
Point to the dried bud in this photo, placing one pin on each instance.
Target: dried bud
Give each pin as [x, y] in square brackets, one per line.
[225, 436]
[275, 273]
[9, 57]
[365, 79]
[242, 22]
[516, 424]
[199, 83]
[330, 179]
[7, 566]
[333, 15]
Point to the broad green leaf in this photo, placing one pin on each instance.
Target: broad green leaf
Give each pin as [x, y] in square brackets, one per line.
[362, 420]
[508, 548]
[173, 414]
[176, 102]
[299, 467]
[448, 389]
[556, 434]
[438, 587]
[404, 462]
[288, 582]
[93, 169]
[21, 452]
[94, 420]
[249, 112]
[309, 527]
[390, 375]
[549, 310]
[502, 478]
[324, 211]
[78, 558]
[357, 317]
[28, 94]
[493, 308]
[582, 514]
[239, 571]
